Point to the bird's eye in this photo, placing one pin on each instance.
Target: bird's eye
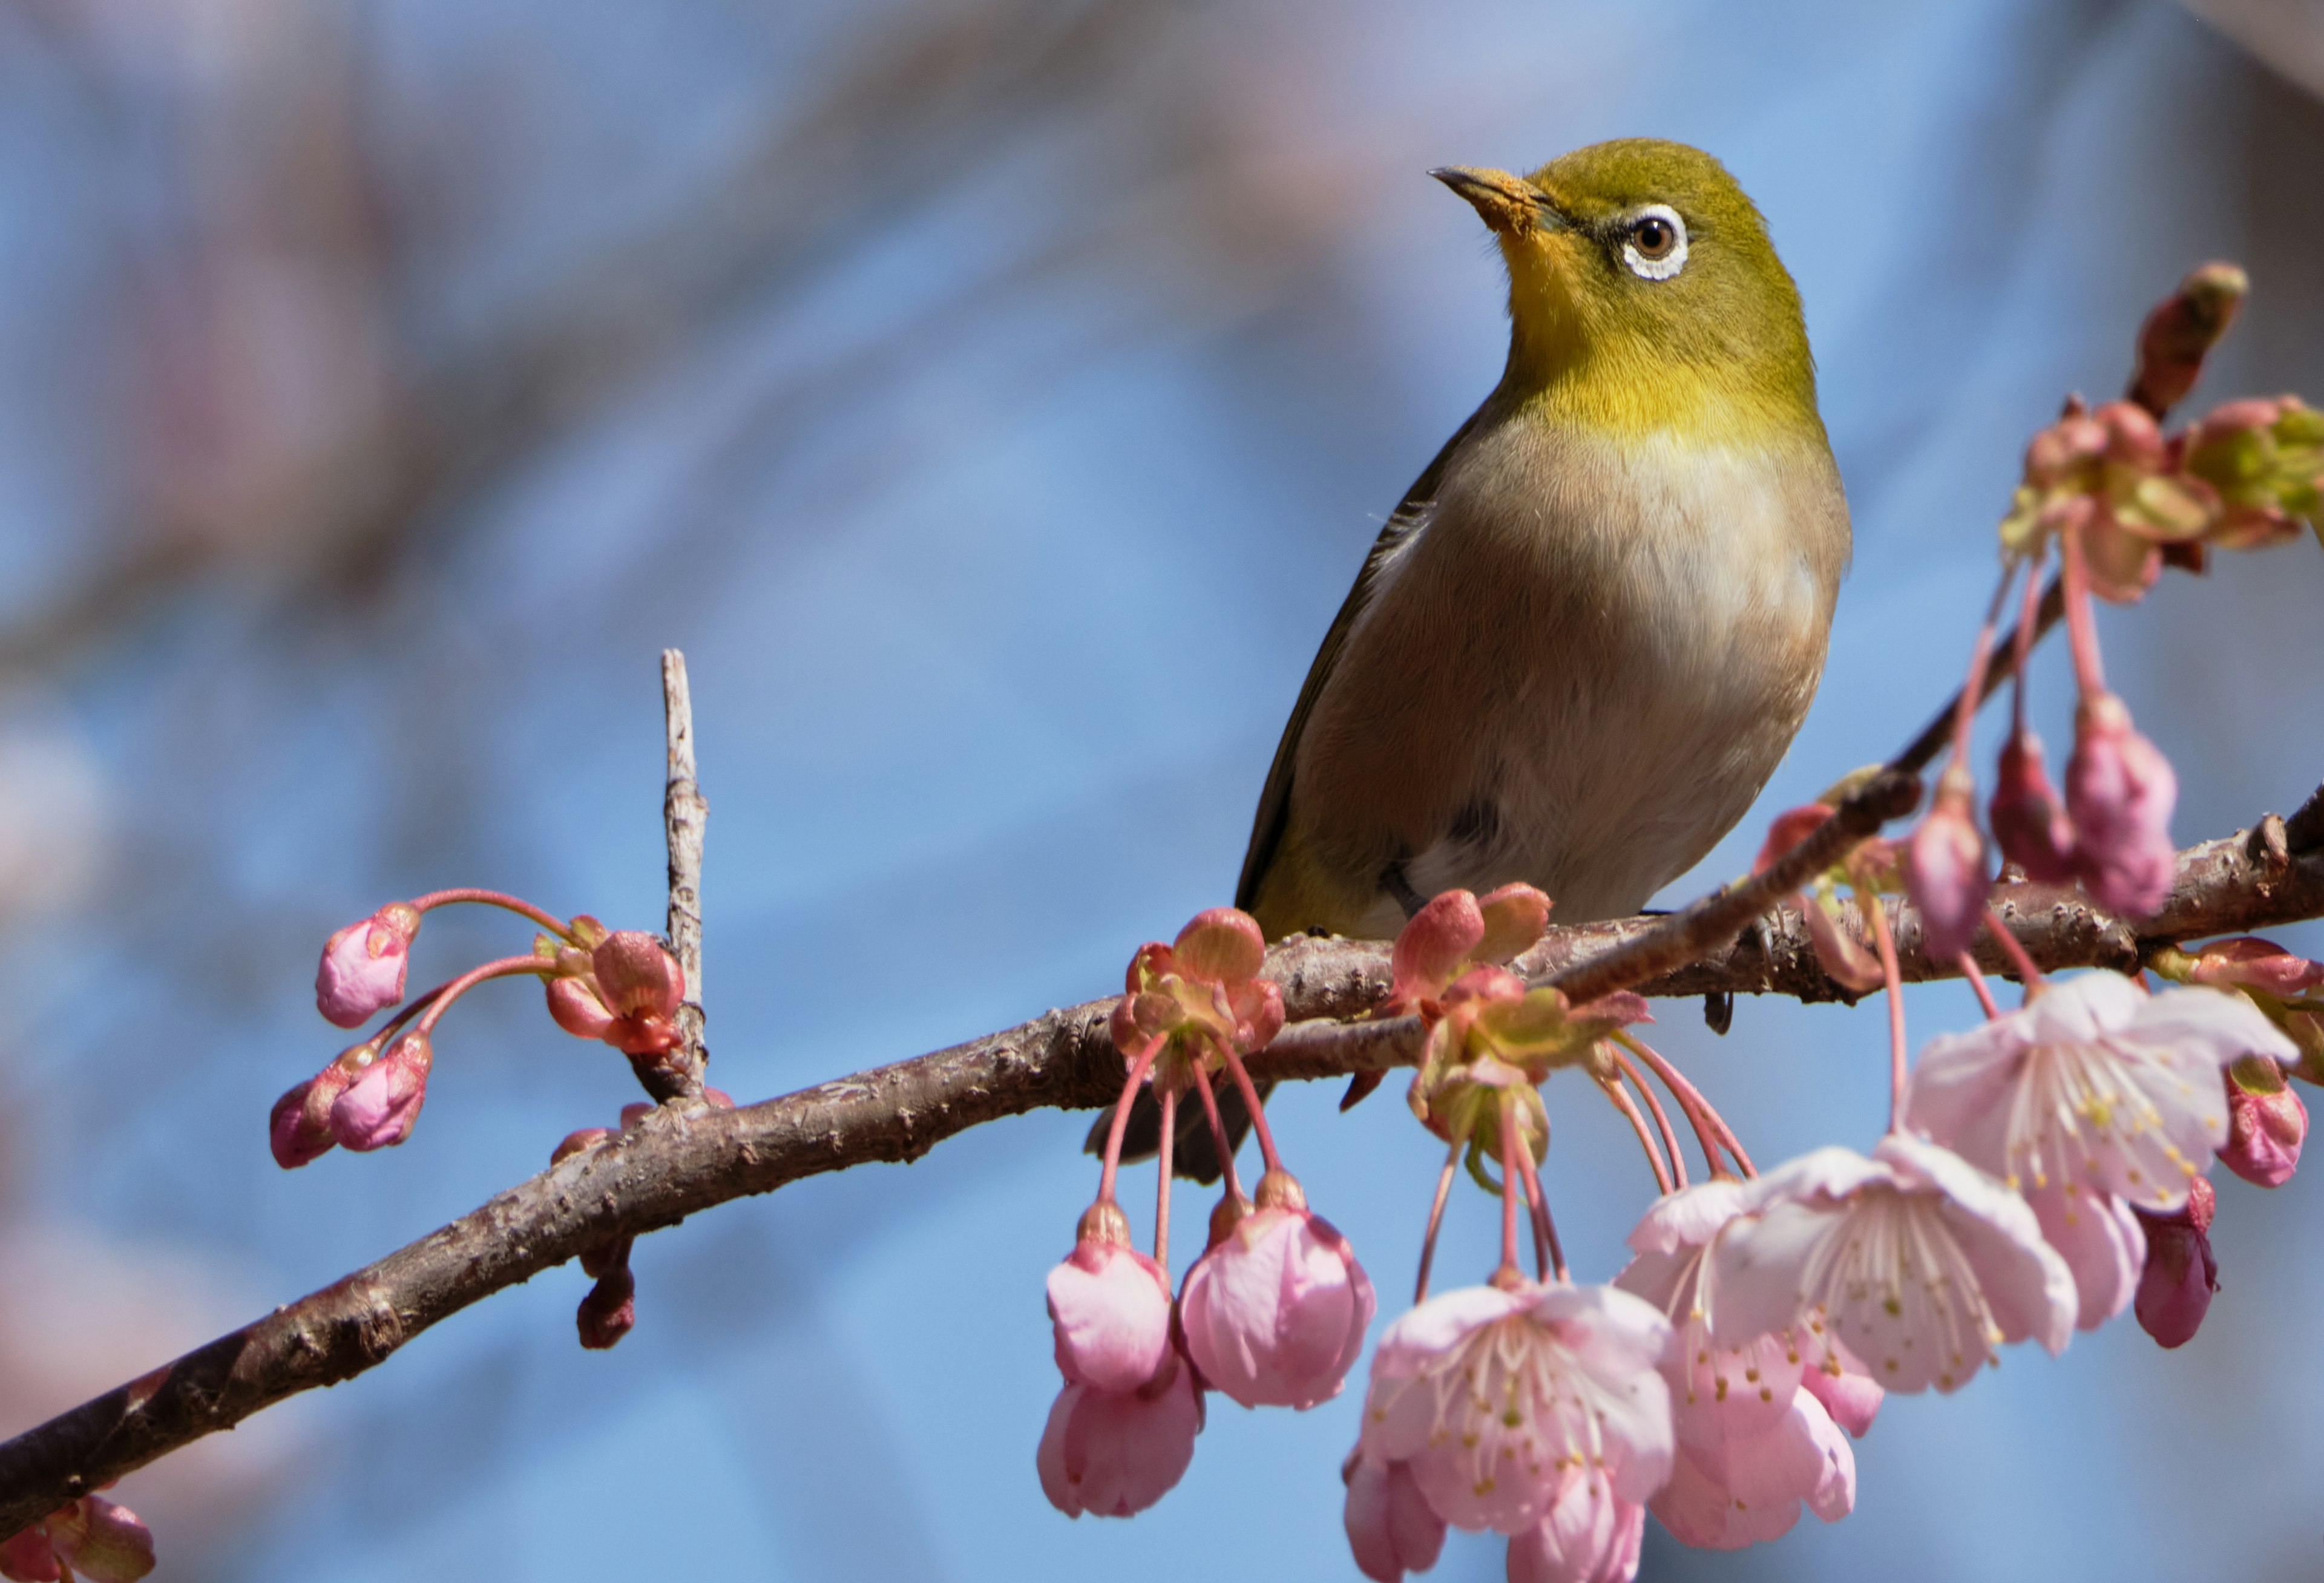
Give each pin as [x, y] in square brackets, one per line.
[1654, 244]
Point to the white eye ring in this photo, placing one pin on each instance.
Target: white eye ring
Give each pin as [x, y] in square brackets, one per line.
[1664, 265]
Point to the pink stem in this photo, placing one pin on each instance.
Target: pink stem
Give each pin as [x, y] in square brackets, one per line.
[1218, 1131]
[1510, 1150]
[2081, 624]
[1980, 655]
[1436, 1220]
[1894, 976]
[1544, 1228]
[1620, 1095]
[1710, 1128]
[2029, 613]
[2014, 949]
[1162, 1188]
[1662, 1122]
[1250, 1102]
[500, 899]
[1977, 982]
[1137, 1069]
[506, 967]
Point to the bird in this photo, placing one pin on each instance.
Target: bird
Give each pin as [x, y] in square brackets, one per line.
[1584, 638]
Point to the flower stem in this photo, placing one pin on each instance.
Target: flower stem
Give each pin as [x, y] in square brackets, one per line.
[2028, 616]
[1250, 1102]
[1619, 1094]
[2027, 973]
[1894, 976]
[1218, 1131]
[1710, 1128]
[1544, 1229]
[1662, 1121]
[1510, 1150]
[1977, 982]
[500, 899]
[1162, 1187]
[1980, 655]
[506, 967]
[1137, 1069]
[1436, 1220]
[2081, 624]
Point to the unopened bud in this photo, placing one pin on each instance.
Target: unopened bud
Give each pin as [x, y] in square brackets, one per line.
[2120, 793]
[2174, 1291]
[362, 966]
[1944, 869]
[2029, 819]
[377, 1111]
[2267, 1123]
[609, 1311]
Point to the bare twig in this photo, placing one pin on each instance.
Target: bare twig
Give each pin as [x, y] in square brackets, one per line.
[688, 1158]
[684, 814]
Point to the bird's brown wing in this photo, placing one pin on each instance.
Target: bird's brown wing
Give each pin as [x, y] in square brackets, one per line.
[1195, 1155]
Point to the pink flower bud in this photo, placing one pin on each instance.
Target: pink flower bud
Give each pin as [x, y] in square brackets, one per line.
[1431, 946]
[377, 1110]
[2119, 792]
[1390, 1529]
[1116, 1454]
[2267, 1123]
[2253, 963]
[1274, 1315]
[1516, 916]
[1110, 1307]
[2174, 1292]
[299, 1128]
[102, 1541]
[2029, 820]
[642, 985]
[1222, 945]
[1944, 869]
[609, 1311]
[362, 965]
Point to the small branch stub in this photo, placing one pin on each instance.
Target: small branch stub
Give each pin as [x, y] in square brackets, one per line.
[684, 814]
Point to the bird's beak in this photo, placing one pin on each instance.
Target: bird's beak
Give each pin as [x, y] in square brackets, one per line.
[1511, 204]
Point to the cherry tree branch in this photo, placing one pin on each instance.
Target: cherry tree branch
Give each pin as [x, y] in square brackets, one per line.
[685, 814]
[688, 1156]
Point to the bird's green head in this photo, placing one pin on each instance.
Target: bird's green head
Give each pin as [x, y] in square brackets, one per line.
[1645, 295]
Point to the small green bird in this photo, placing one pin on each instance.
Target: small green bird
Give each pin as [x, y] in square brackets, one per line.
[1587, 635]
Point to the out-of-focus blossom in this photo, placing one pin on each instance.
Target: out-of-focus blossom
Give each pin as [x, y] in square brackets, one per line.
[2099, 1237]
[2120, 793]
[363, 964]
[1845, 958]
[1109, 1308]
[1390, 1529]
[1752, 1443]
[93, 1536]
[1921, 1263]
[1589, 1534]
[2289, 989]
[378, 1109]
[2264, 459]
[1944, 867]
[2107, 475]
[1116, 1453]
[2174, 1292]
[2181, 332]
[2267, 1123]
[1275, 1313]
[1498, 1399]
[2093, 1083]
[2029, 816]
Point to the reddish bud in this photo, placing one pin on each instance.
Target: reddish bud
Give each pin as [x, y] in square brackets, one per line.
[1222, 945]
[2174, 1291]
[573, 1006]
[362, 966]
[610, 1311]
[2267, 1123]
[377, 1110]
[299, 1128]
[2181, 330]
[2249, 962]
[2029, 819]
[637, 977]
[1944, 869]
[1432, 947]
[2120, 793]
[573, 1143]
[1516, 916]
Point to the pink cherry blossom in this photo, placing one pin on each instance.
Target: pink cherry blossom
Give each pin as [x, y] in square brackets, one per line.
[1115, 1454]
[1274, 1315]
[1456, 931]
[2099, 1237]
[2249, 962]
[1922, 1264]
[2093, 1083]
[1844, 1386]
[1589, 1534]
[1498, 1399]
[1944, 869]
[362, 965]
[2174, 1291]
[2119, 792]
[2029, 817]
[1110, 1309]
[1390, 1529]
[1752, 1441]
[2266, 1124]
[377, 1110]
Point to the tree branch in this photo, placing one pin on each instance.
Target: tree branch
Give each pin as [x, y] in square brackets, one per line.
[685, 814]
[688, 1158]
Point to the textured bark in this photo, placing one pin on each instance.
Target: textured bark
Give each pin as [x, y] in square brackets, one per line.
[688, 1158]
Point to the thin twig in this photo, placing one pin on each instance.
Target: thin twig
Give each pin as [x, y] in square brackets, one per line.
[684, 812]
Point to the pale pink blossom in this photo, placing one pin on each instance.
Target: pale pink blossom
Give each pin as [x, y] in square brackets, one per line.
[377, 1110]
[2120, 793]
[363, 964]
[1752, 1441]
[1944, 869]
[1589, 1534]
[2174, 1289]
[2029, 817]
[1115, 1454]
[1274, 1315]
[2093, 1083]
[95, 1538]
[1843, 1384]
[1110, 1309]
[2266, 1124]
[1498, 1398]
[2099, 1237]
[1921, 1264]
[1390, 1529]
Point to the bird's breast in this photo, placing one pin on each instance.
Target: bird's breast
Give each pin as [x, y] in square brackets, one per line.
[1580, 669]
